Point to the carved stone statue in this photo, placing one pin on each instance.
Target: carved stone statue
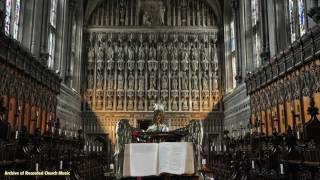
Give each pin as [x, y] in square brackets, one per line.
[185, 54]
[109, 53]
[184, 81]
[120, 81]
[175, 54]
[153, 80]
[185, 104]
[174, 82]
[141, 53]
[204, 82]
[100, 53]
[99, 80]
[146, 19]
[110, 82]
[164, 81]
[130, 103]
[152, 53]
[91, 55]
[195, 81]
[164, 65]
[194, 53]
[120, 53]
[141, 81]
[90, 81]
[174, 64]
[174, 104]
[130, 53]
[215, 83]
[164, 53]
[131, 81]
[109, 104]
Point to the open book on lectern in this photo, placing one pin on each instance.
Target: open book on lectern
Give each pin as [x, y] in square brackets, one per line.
[148, 159]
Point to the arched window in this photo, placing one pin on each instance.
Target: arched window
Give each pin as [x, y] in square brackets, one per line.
[12, 15]
[255, 33]
[8, 17]
[16, 19]
[302, 21]
[292, 20]
[297, 18]
[230, 54]
[52, 33]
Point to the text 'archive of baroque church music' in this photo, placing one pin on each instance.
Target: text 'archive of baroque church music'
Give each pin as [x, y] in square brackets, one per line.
[143, 52]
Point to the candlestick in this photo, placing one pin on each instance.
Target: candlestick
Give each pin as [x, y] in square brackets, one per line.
[17, 134]
[281, 169]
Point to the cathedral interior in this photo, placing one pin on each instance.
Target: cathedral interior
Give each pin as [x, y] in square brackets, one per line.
[246, 71]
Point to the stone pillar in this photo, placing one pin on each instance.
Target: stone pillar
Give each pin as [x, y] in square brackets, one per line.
[36, 29]
[265, 49]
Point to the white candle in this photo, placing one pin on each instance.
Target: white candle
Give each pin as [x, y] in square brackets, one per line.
[252, 164]
[17, 133]
[59, 131]
[111, 166]
[215, 148]
[203, 162]
[251, 132]
[89, 148]
[281, 169]
[220, 148]
[225, 148]
[298, 135]
[85, 148]
[61, 163]
[37, 167]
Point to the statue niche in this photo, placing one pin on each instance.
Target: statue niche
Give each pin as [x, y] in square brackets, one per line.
[152, 13]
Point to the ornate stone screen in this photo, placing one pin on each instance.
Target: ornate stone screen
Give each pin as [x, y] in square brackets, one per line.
[151, 51]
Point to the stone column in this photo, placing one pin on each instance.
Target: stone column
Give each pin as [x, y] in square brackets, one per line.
[265, 49]
[36, 29]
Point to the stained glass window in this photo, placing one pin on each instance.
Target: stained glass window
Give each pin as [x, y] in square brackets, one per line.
[8, 17]
[53, 12]
[232, 36]
[16, 20]
[52, 33]
[254, 12]
[302, 23]
[292, 21]
[51, 45]
[255, 33]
